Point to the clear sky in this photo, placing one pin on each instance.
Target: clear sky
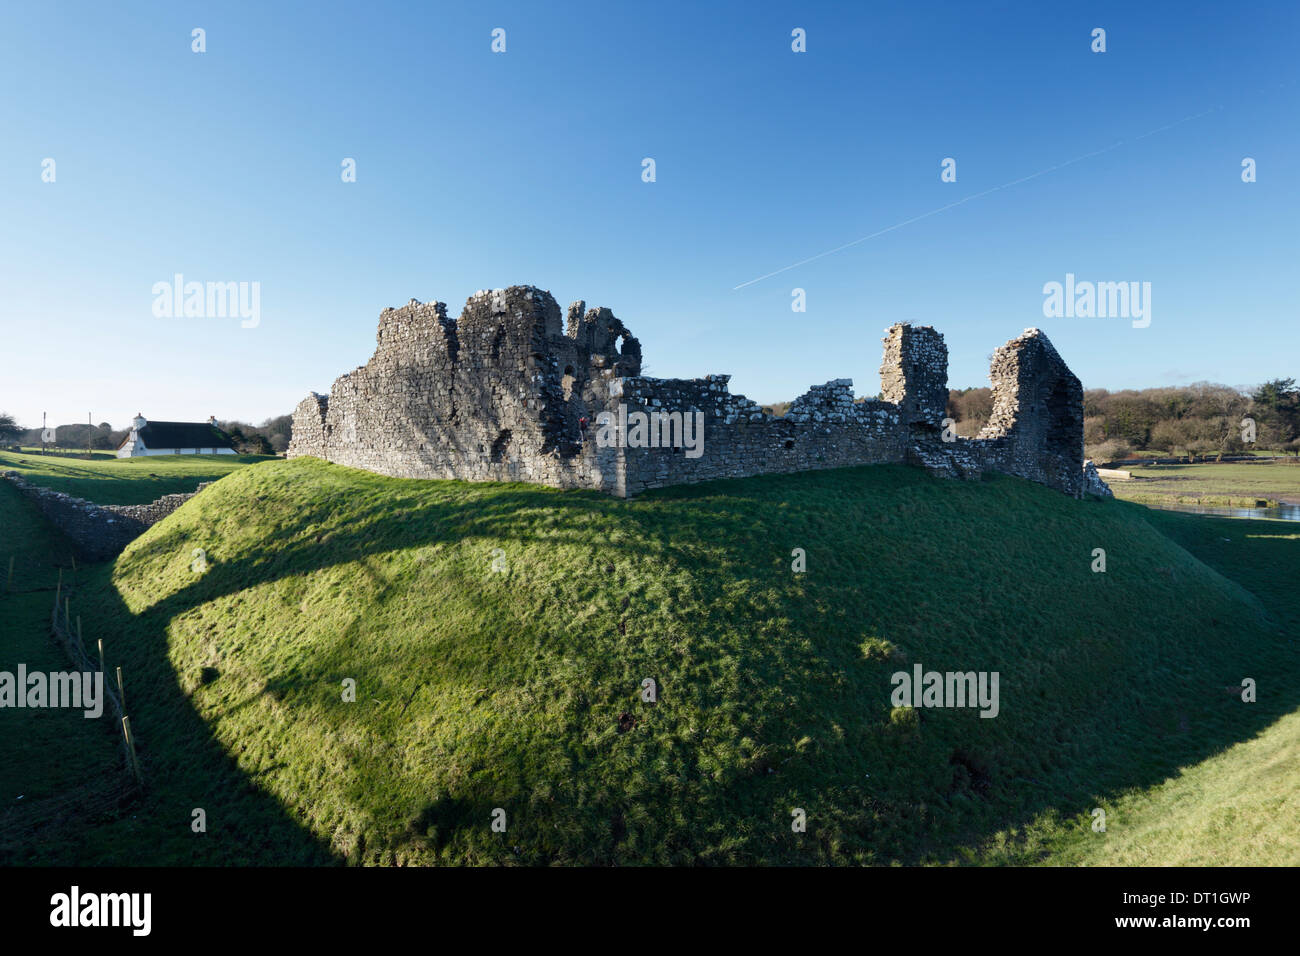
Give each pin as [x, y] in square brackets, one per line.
[477, 169]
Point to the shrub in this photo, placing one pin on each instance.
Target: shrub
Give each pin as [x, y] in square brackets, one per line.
[1107, 451]
[905, 719]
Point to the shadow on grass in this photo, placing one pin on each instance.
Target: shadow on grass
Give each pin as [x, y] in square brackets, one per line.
[183, 766]
[1109, 733]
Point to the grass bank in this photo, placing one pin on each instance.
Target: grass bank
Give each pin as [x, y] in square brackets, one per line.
[521, 690]
[1240, 806]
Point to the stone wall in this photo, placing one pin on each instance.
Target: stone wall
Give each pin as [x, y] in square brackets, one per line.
[500, 394]
[1036, 429]
[914, 376]
[496, 395]
[824, 428]
[98, 532]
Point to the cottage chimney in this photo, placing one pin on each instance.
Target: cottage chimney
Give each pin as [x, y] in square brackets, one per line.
[139, 421]
[212, 420]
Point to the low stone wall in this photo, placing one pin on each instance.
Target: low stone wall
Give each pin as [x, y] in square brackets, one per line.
[824, 428]
[99, 532]
[1093, 483]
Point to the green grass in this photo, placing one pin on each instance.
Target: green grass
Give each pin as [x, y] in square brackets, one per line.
[1238, 807]
[521, 690]
[45, 754]
[1237, 484]
[54, 763]
[108, 480]
[1252, 453]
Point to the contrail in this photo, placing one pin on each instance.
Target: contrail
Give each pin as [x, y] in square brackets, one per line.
[934, 212]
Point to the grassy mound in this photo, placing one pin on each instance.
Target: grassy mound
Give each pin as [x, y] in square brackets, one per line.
[1238, 808]
[520, 690]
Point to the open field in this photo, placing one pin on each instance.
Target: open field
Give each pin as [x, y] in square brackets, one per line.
[521, 689]
[107, 480]
[1239, 484]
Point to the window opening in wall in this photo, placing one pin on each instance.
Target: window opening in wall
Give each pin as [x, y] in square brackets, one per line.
[501, 447]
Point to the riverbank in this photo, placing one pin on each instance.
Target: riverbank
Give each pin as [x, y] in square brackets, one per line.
[1228, 485]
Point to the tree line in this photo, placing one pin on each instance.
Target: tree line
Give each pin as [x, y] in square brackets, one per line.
[1200, 420]
[269, 438]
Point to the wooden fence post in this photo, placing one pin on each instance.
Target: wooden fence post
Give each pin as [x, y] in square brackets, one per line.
[130, 743]
[101, 655]
[121, 694]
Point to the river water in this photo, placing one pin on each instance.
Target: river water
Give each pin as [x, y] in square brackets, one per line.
[1283, 511]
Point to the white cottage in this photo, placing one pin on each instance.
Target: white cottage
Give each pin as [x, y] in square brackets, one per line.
[174, 438]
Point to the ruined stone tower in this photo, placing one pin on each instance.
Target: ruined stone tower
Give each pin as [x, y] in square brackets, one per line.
[914, 376]
[1037, 421]
[501, 394]
[496, 395]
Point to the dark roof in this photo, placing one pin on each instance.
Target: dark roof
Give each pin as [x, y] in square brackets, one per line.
[162, 435]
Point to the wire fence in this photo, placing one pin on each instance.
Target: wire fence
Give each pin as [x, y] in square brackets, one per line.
[107, 793]
[69, 637]
[103, 796]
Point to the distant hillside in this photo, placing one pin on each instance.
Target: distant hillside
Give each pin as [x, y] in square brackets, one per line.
[521, 690]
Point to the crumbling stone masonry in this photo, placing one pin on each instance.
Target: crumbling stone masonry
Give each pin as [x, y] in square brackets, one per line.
[98, 532]
[500, 393]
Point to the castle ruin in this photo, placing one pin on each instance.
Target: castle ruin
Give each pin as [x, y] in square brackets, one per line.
[501, 394]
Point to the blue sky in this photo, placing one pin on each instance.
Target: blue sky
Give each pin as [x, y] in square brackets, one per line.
[478, 169]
